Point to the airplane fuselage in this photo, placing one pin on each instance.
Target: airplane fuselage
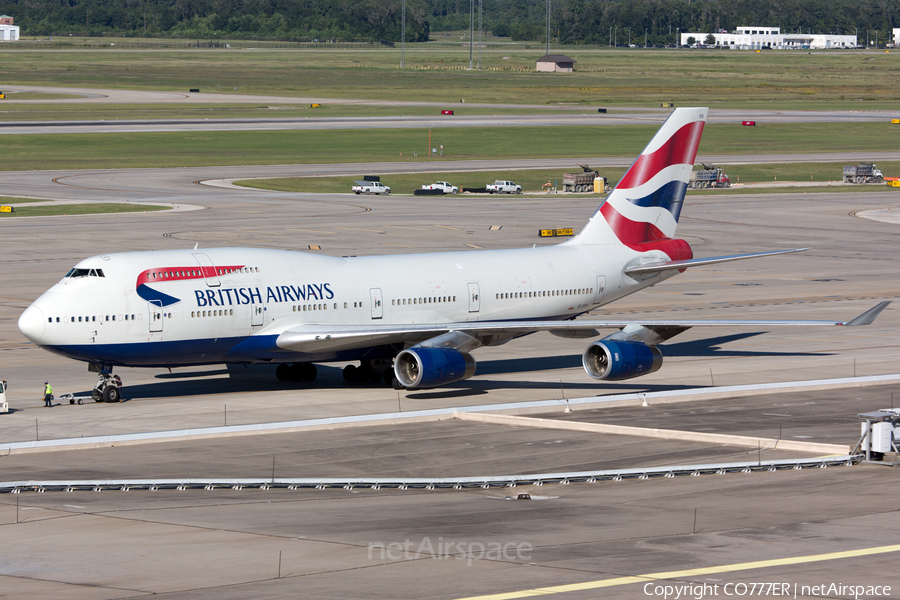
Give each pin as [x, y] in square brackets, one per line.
[228, 305]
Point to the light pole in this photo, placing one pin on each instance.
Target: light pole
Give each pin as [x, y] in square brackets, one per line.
[645, 37]
[677, 37]
[616, 36]
[629, 37]
[610, 37]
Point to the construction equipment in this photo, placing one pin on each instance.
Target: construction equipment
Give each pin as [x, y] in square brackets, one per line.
[584, 181]
[709, 177]
[863, 173]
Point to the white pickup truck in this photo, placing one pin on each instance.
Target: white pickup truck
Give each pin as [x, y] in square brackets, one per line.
[501, 187]
[4, 405]
[370, 187]
[443, 186]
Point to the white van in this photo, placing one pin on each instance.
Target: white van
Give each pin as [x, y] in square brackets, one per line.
[4, 405]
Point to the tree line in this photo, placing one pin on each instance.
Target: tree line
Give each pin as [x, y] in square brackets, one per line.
[572, 21]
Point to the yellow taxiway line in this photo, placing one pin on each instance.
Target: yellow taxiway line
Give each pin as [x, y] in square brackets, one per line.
[761, 564]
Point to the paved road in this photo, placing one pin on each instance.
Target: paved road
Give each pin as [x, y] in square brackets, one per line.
[544, 115]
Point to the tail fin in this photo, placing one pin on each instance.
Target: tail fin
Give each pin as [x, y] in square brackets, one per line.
[642, 211]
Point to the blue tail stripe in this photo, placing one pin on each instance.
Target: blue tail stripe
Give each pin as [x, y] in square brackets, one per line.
[670, 197]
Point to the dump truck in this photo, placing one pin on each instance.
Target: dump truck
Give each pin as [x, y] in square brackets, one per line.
[709, 177]
[863, 173]
[580, 182]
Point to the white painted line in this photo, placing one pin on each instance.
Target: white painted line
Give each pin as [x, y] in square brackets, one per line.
[422, 416]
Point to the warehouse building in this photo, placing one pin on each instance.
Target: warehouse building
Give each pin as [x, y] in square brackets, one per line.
[8, 31]
[759, 38]
[555, 63]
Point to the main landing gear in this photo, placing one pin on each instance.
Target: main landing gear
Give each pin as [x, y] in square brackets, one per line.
[108, 388]
[379, 369]
[296, 372]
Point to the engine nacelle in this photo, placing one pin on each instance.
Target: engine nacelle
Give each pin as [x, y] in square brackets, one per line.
[614, 360]
[431, 367]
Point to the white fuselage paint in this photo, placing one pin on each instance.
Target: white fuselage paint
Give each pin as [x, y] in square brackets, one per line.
[556, 282]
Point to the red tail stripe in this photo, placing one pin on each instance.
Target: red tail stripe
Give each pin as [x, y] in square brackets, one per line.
[643, 237]
[679, 149]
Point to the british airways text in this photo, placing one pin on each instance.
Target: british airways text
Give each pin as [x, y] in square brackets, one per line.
[282, 293]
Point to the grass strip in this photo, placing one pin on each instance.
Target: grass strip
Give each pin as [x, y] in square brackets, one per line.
[95, 208]
[6, 200]
[220, 148]
[534, 180]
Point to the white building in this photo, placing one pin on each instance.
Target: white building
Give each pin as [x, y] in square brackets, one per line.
[757, 38]
[9, 33]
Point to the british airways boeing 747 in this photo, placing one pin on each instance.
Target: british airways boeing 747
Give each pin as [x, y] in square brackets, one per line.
[412, 320]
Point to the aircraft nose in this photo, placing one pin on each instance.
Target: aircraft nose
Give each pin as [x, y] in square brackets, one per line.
[31, 323]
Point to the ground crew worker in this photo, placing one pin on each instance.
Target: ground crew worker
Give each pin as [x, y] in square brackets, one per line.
[48, 394]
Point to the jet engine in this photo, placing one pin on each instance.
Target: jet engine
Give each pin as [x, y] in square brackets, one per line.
[617, 360]
[431, 367]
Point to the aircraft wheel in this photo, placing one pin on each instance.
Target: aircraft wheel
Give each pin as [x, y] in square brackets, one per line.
[96, 396]
[283, 372]
[363, 375]
[350, 373]
[308, 372]
[111, 394]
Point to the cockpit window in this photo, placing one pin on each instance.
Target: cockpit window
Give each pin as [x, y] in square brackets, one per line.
[85, 273]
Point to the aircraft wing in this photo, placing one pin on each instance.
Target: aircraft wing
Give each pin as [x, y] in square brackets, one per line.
[324, 338]
[669, 265]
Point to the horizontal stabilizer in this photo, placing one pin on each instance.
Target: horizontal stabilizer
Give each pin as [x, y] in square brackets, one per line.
[669, 265]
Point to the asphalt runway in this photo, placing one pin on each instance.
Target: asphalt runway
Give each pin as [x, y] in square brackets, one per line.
[227, 544]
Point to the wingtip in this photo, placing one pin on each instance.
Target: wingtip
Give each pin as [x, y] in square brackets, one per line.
[869, 316]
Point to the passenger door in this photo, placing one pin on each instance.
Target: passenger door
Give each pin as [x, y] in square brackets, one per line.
[474, 298]
[156, 316]
[208, 269]
[377, 308]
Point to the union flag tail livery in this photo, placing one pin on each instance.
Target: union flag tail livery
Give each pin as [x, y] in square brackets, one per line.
[642, 211]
